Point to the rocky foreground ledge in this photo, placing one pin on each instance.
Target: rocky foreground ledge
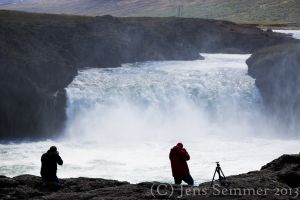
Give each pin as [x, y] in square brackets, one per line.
[279, 179]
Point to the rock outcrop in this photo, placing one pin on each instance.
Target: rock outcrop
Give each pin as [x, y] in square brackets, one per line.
[40, 55]
[276, 180]
[277, 73]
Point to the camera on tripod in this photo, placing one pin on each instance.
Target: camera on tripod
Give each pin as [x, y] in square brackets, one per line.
[222, 178]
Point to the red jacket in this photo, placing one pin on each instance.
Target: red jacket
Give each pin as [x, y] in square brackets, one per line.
[178, 157]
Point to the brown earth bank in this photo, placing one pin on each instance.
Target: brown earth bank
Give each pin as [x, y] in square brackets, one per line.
[279, 179]
[276, 70]
[41, 53]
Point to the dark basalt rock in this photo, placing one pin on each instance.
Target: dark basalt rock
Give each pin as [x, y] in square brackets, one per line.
[282, 163]
[287, 168]
[276, 70]
[266, 180]
[40, 55]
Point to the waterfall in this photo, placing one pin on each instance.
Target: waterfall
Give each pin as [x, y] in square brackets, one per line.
[166, 100]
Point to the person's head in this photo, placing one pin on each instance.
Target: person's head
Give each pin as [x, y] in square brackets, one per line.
[53, 149]
[179, 145]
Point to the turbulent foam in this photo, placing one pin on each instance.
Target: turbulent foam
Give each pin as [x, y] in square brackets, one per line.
[174, 99]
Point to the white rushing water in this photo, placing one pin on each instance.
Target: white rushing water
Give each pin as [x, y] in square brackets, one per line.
[294, 33]
[123, 122]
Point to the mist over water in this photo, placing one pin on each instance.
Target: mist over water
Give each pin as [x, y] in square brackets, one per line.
[123, 121]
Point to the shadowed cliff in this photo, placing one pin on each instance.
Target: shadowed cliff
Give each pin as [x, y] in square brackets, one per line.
[41, 53]
[277, 73]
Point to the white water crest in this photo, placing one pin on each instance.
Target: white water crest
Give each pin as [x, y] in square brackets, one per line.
[294, 33]
[123, 121]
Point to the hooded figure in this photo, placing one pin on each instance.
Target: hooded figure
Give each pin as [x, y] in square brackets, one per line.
[49, 165]
[180, 170]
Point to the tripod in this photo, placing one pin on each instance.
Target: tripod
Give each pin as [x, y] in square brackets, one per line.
[222, 178]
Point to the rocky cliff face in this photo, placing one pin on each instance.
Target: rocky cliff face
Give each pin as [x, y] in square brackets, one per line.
[279, 179]
[277, 73]
[40, 55]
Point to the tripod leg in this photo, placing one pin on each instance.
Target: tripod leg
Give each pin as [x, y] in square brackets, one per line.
[224, 181]
[212, 181]
[220, 176]
[222, 173]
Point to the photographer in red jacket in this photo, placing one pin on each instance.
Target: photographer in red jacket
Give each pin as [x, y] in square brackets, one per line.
[180, 170]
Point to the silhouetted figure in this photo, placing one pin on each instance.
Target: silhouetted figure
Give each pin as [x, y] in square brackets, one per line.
[49, 165]
[180, 170]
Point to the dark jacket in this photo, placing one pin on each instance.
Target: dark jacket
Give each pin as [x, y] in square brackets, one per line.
[178, 157]
[49, 165]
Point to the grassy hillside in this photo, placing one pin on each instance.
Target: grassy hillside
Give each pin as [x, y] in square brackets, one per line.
[234, 10]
